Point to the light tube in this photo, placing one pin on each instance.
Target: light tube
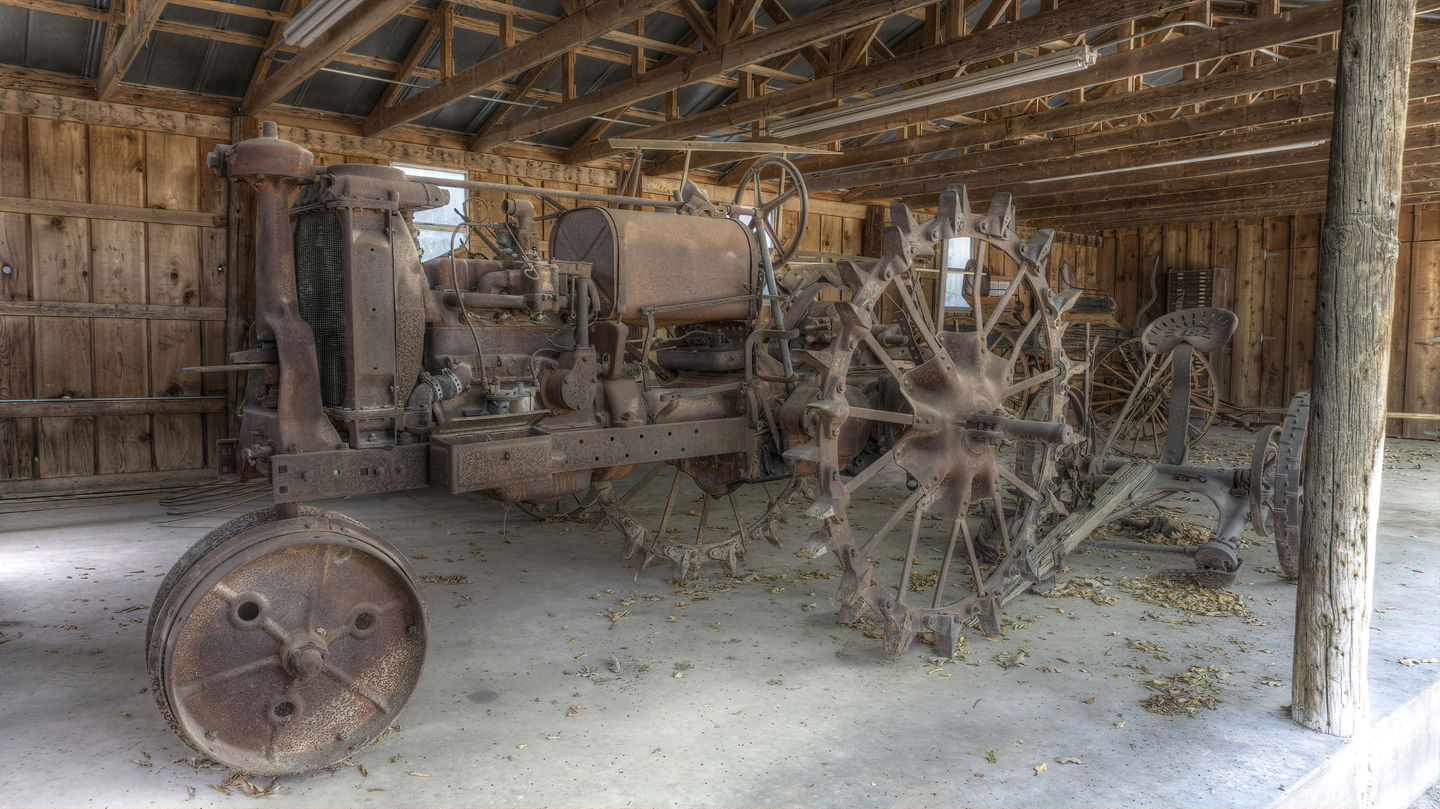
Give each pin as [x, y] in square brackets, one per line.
[315, 19]
[1058, 63]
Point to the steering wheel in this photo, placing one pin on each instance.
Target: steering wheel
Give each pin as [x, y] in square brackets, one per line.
[768, 222]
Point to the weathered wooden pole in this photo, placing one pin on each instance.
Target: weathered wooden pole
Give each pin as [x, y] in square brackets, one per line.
[1354, 304]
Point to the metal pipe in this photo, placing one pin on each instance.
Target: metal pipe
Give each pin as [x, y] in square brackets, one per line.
[582, 313]
[559, 193]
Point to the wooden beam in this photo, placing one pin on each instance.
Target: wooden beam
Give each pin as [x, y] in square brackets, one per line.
[527, 82]
[128, 45]
[1152, 154]
[1070, 20]
[434, 28]
[76, 408]
[699, 23]
[1293, 25]
[355, 27]
[137, 311]
[1355, 301]
[1279, 74]
[124, 213]
[591, 22]
[778, 39]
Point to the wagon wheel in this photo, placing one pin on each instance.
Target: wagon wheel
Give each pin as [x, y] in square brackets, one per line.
[1143, 433]
[963, 453]
[281, 644]
[1287, 485]
[698, 524]
[769, 224]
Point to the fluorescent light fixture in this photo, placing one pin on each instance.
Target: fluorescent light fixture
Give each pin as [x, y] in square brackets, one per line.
[315, 19]
[1058, 63]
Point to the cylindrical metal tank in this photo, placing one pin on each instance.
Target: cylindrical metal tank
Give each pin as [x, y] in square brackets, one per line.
[642, 259]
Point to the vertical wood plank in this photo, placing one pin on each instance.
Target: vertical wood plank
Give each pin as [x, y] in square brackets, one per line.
[1273, 331]
[1127, 273]
[117, 266]
[1249, 285]
[59, 246]
[1400, 324]
[1223, 246]
[1422, 362]
[17, 436]
[1300, 321]
[172, 170]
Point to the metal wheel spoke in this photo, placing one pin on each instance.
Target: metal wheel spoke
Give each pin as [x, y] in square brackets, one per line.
[895, 518]
[350, 684]
[909, 563]
[879, 351]
[1024, 488]
[195, 686]
[650, 474]
[955, 529]
[1020, 340]
[1032, 381]
[870, 471]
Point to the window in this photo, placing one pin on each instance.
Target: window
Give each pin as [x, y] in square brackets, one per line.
[437, 225]
[957, 254]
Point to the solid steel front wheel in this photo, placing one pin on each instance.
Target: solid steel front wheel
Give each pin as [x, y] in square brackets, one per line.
[281, 644]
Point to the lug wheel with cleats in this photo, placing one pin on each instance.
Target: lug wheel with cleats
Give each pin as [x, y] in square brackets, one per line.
[963, 456]
[687, 525]
[281, 644]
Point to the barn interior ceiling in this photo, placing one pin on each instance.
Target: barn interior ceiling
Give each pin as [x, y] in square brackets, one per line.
[1185, 109]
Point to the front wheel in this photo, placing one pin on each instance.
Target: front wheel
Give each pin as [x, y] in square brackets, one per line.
[281, 644]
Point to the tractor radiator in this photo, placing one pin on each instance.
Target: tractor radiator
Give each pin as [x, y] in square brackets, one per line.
[320, 279]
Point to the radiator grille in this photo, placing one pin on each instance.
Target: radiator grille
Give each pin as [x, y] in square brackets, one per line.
[320, 278]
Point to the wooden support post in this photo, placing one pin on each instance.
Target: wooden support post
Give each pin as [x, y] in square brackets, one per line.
[1354, 306]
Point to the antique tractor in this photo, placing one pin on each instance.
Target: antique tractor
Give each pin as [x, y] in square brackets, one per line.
[681, 338]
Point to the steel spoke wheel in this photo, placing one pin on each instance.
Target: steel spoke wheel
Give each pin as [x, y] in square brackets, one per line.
[1142, 434]
[983, 431]
[279, 645]
[768, 185]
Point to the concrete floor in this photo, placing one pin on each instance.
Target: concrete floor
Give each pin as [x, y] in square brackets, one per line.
[728, 693]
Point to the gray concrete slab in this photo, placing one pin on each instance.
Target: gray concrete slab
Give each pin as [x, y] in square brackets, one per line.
[774, 705]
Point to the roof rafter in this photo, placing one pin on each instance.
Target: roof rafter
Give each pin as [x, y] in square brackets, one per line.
[774, 41]
[127, 46]
[305, 63]
[589, 23]
[1069, 20]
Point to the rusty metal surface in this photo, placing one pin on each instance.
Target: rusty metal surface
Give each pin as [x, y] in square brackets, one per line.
[641, 259]
[463, 463]
[280, 645]
[340, 473]
[1288, 488]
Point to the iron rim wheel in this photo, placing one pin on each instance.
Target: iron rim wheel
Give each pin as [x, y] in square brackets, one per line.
[1289, 486]
[280, 645]
[1143, 433]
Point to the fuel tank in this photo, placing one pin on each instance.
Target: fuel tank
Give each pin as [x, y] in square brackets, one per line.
[641, 259]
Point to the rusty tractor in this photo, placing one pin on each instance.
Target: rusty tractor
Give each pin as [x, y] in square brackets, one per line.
[655, 336]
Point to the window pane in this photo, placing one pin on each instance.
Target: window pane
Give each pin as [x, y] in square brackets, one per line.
[436, 242]
[445, 215]
[958, 252]
[955, 290]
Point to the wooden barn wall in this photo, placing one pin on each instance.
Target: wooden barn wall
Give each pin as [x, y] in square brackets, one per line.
[112, 279]
[1272, 265]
